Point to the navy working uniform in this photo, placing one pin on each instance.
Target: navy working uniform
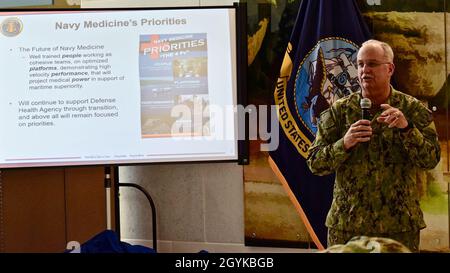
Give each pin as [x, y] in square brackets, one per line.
[375, 191]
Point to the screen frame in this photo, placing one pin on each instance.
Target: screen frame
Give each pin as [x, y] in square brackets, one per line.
[242, 145]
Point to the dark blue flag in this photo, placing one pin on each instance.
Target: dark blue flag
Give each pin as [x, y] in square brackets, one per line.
[319, 67]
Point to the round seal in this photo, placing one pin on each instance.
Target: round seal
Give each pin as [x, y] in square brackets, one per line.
[328, 72]
[11, 27]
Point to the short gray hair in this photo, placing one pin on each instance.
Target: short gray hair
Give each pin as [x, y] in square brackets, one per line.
[388, 52]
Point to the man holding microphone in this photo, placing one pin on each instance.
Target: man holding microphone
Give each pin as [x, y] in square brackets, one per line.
[375, 140]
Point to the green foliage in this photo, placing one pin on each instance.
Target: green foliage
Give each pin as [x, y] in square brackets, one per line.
[441, 99]
[437, 204]
[435, 201]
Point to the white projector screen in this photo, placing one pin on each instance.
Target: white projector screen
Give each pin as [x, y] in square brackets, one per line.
[91, 87]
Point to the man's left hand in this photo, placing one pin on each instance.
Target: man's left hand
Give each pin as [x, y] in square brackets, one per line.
[393, 117]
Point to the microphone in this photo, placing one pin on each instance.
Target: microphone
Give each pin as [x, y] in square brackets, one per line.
[365, 104]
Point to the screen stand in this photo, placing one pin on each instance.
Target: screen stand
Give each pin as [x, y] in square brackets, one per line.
[108, 197]
[117, 184]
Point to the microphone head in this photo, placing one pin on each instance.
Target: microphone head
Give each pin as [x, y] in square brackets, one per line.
[365, 103]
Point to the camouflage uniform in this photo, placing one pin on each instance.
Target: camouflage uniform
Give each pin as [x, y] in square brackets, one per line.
[410, 239]
[375, 188]
[364, 244]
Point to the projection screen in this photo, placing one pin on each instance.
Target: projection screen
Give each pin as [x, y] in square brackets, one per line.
[91, 87]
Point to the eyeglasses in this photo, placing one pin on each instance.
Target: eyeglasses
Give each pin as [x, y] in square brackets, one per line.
[371, 64]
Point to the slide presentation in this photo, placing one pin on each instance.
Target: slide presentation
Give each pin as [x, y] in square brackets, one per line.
[130, 86]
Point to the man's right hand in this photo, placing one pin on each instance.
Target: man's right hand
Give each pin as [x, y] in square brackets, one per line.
[359, 131]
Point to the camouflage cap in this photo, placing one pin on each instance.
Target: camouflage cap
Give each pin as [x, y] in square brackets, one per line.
[364, 244]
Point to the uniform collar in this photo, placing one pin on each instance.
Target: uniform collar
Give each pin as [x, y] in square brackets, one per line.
[393, 100]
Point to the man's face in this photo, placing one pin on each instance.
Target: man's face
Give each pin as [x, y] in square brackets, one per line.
[374, 69]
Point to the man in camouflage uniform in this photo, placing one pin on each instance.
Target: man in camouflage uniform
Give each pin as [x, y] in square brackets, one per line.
[375, 160]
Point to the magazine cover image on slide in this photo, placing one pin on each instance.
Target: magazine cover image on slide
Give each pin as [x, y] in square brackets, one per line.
[173, 71]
